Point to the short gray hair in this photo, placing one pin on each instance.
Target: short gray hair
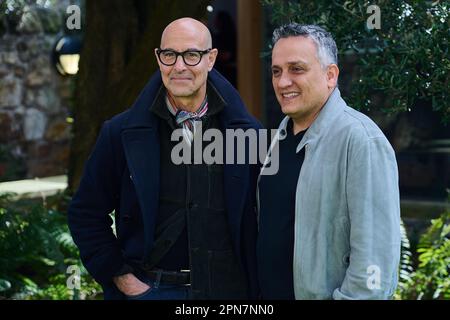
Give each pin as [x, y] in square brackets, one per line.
[326, 46]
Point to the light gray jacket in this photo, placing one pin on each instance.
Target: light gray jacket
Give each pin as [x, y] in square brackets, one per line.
[347, 210]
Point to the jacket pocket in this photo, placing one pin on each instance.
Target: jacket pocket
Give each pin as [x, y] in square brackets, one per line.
[346, 259]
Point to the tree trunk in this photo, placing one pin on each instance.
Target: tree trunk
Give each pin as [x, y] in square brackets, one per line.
[116, 62]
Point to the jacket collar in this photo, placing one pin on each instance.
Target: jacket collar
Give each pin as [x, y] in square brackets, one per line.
[215, 102]
[234, 113]
[332, 108]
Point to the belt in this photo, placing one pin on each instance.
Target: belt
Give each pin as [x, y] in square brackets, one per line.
[169, 277]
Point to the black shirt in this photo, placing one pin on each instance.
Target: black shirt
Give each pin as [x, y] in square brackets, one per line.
[277, 216]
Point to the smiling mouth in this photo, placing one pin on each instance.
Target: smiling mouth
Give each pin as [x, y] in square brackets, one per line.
[290, 95]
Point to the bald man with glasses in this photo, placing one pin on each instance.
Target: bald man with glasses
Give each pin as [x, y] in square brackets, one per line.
[183, 231]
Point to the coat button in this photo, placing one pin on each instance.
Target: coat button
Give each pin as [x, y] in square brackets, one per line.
[131, 177]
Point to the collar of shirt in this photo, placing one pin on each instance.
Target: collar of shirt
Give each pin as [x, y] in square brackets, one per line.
[216, 103]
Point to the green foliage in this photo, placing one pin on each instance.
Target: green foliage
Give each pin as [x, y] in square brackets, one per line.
[35, 251]
[404, 61]
[11, 11]
[431, 278]
[406, 264]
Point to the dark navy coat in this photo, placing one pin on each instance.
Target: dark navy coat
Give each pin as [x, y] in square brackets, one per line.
[122, 175]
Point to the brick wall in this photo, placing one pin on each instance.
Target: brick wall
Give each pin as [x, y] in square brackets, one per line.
[34, 99]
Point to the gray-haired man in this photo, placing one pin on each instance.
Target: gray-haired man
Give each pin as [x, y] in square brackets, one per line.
[330, 218]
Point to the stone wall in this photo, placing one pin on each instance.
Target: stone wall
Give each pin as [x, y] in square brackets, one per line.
[34, 99]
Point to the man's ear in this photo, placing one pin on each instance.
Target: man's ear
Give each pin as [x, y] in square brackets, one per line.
[332, 75]
[212, 58]
[156, 57]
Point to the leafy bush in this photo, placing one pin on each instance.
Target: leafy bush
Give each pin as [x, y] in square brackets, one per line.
[406, 263]
[35, 251]
[404, 61]
[430, 280]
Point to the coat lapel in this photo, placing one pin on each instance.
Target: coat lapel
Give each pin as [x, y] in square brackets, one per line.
[142, 154]
[236, 176]
[141, 146]
[236, 180]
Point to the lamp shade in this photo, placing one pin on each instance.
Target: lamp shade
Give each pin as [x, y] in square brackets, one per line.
[66, 55]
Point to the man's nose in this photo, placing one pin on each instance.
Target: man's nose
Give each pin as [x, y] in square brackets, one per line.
[284, 81]
[179, 64]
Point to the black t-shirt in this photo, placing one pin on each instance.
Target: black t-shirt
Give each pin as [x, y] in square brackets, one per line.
[277, 217]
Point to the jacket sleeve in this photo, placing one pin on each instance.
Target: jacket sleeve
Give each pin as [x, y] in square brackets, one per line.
[374, 215]
[89, 212]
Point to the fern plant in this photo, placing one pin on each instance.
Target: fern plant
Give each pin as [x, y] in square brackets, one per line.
[406, 264]
[35, 251]
[430, 280]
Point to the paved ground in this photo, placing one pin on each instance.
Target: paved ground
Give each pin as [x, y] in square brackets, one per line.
[38, 187]
[43, 187]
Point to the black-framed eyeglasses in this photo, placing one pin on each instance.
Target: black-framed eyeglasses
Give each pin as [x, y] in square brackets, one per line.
[191, 58]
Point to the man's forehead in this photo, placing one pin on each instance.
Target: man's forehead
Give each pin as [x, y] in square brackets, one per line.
[180, 42]
[291, 63]
[186, 24]
[292, 59]
[185, 32]
[294, 51]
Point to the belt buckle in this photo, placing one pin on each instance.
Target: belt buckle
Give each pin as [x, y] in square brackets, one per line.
[186, 273]
[175, 276]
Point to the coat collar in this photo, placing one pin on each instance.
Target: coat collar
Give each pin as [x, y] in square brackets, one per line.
[215, 103]
[233, 115]
[332, 108]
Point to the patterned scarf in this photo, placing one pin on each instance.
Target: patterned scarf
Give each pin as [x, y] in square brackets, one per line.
[186, 119]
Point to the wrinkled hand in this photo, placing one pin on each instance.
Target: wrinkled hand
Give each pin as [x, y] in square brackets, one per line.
[130, 285]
